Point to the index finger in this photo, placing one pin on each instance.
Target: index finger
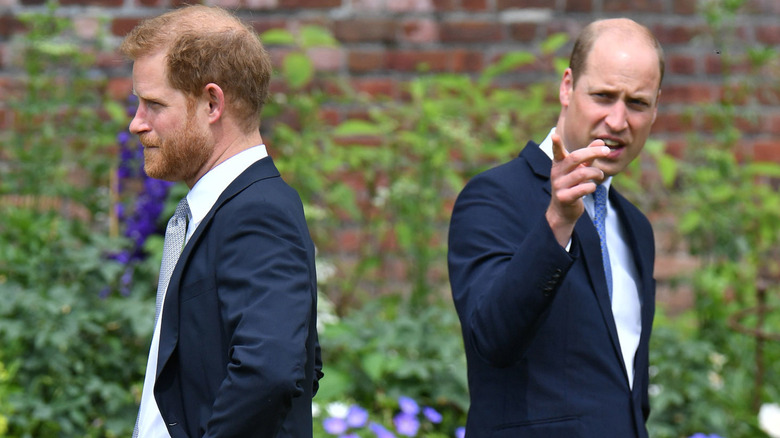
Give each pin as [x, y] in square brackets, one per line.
[559, 152]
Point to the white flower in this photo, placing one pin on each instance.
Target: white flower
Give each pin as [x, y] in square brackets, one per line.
[716, 380]
[769, 419]
[316, 410]
[338, 410]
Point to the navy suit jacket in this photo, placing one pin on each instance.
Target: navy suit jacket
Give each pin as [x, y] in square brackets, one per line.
[541, 342]
[239, 355]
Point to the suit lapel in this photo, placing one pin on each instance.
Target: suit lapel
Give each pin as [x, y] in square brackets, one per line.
[169, 332]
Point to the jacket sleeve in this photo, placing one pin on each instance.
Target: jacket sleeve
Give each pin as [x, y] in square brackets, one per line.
[505, 266]
[266, 300]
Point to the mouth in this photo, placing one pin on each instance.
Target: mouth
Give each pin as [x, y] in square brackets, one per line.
[611, 143]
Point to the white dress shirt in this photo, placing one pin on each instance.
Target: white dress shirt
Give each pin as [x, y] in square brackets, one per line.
[201, 199]
[626, 307]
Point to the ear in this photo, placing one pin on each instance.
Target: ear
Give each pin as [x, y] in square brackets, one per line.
[216, 100]
[566, 88]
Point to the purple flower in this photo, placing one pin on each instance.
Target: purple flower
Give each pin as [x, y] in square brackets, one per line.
[432, 415]
[380, 431]
[702, 435]
[460, 432]
[406, 424]
[356, 416]
[408, 405]
[334, 426]
[351, 435]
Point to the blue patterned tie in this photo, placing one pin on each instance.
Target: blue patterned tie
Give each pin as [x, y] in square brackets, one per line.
[599, 219]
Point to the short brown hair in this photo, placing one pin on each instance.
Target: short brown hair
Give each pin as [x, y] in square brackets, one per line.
[207, 44]
[584, 43]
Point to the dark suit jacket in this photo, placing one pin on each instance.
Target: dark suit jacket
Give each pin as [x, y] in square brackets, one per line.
[239, 355]
[541, 341]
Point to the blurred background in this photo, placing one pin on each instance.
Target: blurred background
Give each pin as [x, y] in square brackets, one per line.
[381, 110]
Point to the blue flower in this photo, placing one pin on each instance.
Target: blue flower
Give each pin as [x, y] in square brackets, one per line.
[460, 432]
[702, 435]
[380, 431]
[334, 426]
[356, 416]
[406, 424]
[432, 415]
[408, 405]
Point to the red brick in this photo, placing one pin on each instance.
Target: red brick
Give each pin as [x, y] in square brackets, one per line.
[672, 121]
[579, 6]
[420, 31]
[308, 4]
[119, 88]
[376, 86]
[104, 3]
[689, 93]
[675, 146]
[713, 63]
[359, 61]
[772, 123]
[768, 34]
[525, 32]
[445, 5]
[261, 26]
[467, 61]
[684, 7]
[412, 61]
[474, 5]
[470, 32]
[680, 64]
[633, 6]
[524, 4]
[409, 6]
[10, 25]
[32, 2]
[327, 58]
[122, 26]
[365, 30]
[674, 34]
[767, 150]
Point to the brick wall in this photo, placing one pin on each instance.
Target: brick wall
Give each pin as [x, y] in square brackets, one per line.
[383, 42]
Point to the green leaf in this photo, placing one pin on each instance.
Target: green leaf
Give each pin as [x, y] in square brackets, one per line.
[277, 37]
[554, 42]
[317, 36]
[764, 169]
[356, 127]
[507, 63]
[298, 70]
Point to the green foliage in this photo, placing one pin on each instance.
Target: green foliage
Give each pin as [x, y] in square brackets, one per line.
[384, 350]
[390, 176]
[728, 209]
[73, 356]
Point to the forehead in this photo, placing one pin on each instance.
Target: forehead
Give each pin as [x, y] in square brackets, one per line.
[150, 79]
[626, 62]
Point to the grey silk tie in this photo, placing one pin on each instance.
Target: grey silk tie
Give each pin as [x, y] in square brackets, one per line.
[175, 235]
[599, 218]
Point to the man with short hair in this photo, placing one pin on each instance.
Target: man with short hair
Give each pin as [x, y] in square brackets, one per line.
[234, 351]
[556, 306]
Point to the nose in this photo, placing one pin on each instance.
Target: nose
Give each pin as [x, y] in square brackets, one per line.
[617, 118]
[138, 125]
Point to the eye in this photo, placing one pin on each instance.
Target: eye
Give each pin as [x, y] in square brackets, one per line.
[638, 104]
